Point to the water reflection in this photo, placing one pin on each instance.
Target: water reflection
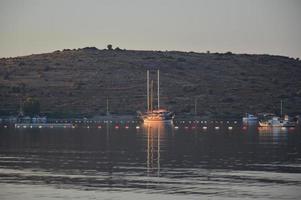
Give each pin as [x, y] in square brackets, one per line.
[272, 130]
[274, 135]
[153, 131]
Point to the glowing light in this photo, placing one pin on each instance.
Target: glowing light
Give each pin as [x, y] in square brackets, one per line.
[204, 127]
[216, 128]
[230, 127]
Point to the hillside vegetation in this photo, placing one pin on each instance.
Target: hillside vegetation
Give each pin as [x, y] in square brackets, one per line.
[78, 82]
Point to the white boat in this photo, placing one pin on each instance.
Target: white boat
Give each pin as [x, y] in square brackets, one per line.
[249, 118]
[158, 114]
[274, 121]
[277, 122]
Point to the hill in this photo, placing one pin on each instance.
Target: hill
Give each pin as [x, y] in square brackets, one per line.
[78, 82]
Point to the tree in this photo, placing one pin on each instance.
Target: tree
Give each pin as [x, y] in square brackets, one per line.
[31, 106]
[110, 47]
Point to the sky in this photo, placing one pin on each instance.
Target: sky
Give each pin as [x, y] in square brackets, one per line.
[240, 26]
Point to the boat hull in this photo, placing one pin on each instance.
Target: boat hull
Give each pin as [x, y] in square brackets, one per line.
[158, 121]
[165, 117]
[150, 119]
[269, 124]
[245, 119]
[249, 118]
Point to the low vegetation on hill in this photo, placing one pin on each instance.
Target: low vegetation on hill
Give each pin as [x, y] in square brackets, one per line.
[78, 82]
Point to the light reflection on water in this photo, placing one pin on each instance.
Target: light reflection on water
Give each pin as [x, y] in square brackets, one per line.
[155, 161]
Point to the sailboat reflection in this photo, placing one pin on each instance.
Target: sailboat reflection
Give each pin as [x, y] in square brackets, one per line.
[272, 130]
[274, 135]
[154, 133]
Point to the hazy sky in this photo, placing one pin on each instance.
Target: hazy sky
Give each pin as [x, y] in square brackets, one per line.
[240, 26]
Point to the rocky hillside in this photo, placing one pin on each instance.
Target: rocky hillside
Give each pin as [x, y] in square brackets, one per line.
[78, 82]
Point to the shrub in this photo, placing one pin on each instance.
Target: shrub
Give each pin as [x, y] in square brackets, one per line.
[90, 48]
[181, 59]
[46, 68]
[16, 89]
[6, 76]
[31, 106]
[21, 63]
[110, 47]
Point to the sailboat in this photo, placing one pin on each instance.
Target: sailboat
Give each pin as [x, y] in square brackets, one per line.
[159, 114]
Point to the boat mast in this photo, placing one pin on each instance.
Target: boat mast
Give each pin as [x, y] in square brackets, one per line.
[147, 89]
[151, 96]
[21, 112]
[108, 106]
[195, 106]
[158, 90]
[281, 108]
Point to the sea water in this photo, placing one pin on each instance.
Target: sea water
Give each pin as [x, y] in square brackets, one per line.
[154, 161]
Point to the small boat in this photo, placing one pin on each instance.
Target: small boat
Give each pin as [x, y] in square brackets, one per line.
[271, 120]
[277, 122]
[249, 118]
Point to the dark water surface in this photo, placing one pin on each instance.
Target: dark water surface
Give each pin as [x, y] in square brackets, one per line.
[156, 161]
